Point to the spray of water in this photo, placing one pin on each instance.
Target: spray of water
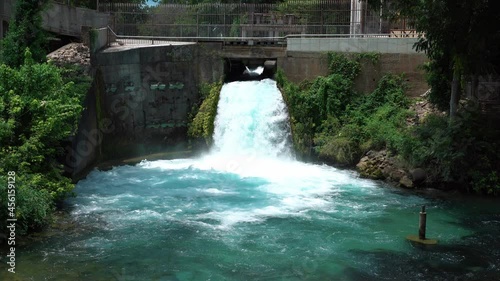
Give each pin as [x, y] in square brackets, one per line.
[252, 120]
[254, 71]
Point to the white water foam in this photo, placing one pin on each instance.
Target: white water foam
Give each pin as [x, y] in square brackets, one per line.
[252, 121]
[251, 160]
[252, 140]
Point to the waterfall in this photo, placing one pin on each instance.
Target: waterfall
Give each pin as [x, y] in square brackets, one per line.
[252, 119]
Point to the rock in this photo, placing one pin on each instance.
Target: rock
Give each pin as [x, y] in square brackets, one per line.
[418, 175]
[397, 174]
[371, 153]
[406, 182]
[73, 53]
[363, 163]
[422, 109]
[377, 174]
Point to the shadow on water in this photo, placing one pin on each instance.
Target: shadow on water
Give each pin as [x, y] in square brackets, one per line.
[468, 259]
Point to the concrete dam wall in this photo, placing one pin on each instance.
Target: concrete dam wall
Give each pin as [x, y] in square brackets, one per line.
[145, 94]
[149, 93]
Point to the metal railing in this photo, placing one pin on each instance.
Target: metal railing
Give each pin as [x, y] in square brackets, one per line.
[244, 19]
[159, 40]
[120, 40]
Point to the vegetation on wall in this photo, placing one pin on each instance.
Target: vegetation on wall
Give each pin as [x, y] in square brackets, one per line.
[461, 41]
[203, 116]
[332, 122]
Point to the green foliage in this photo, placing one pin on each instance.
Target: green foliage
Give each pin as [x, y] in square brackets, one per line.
[235, 30]
[485, 182]
[373, 121]
[373, 57]
[464, 151]
[202, 125]
[341, 64]
[25, 31]
[438, 76]
[75, 74]
[349, 66]
[333, 122]
[461, 37]
[38, 110]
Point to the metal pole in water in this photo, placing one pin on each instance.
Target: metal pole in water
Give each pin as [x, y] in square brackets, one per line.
[422, 224]
[420, 238]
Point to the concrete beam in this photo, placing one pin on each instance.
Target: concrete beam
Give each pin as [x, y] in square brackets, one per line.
[384, 45]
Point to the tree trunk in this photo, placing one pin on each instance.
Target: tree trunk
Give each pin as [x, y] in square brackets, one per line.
[454, 95]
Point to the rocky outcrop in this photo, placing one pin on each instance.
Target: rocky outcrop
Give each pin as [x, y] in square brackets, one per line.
[383, 166]
[422, 109]
[73, 53]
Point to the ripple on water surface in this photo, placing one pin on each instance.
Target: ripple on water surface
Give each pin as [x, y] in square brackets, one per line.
[249, 211]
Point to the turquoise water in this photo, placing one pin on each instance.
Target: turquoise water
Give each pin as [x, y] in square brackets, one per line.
[249, 211]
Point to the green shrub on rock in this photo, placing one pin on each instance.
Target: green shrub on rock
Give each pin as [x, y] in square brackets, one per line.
[202, 124]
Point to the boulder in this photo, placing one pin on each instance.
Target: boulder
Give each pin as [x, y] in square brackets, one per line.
[396, 174]
[418, 175]
[363, 164]
[406, 182]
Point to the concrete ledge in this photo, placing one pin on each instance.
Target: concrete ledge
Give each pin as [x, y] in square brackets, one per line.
[98, 39]
[69, 20]
[385, 45]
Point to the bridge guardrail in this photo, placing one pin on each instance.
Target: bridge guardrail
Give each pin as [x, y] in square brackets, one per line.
[234, 40]
[153, 40]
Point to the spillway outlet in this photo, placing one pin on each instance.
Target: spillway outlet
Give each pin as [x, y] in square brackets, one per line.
[249, 69]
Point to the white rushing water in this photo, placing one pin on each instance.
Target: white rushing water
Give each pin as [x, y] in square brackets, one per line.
[252, 120]
[249, 211]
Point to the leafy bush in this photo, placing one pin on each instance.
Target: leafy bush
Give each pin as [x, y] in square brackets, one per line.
[464, 151]
[333, 122]
[202, 124]
[342, 65]
[38, 111]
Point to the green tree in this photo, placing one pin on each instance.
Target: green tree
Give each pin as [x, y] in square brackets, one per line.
[38, 110]
[25, 31]
[460, 37]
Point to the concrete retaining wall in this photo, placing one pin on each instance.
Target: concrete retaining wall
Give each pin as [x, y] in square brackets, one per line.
[98, 38]
[299, 66]
[66, 20]
[86, 144]
[353, 45]
[148, 94]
